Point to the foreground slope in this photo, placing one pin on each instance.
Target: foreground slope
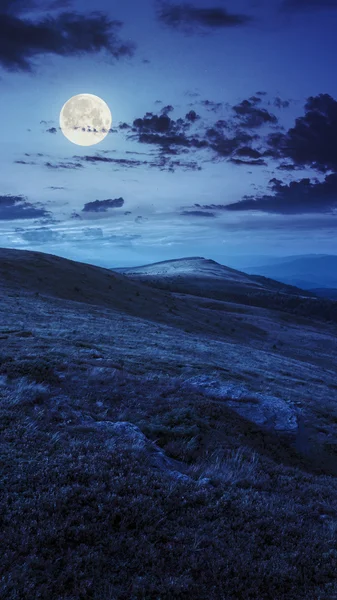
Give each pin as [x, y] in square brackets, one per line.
[158, 444]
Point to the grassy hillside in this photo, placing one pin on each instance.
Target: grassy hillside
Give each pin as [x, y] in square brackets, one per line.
[156, 445]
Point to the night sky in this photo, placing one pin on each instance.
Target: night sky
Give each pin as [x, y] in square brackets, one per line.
[224, 133]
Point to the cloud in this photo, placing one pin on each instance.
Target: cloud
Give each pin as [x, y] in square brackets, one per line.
[192, 19]
[66, 34]
[93, 233]
[251, 116]
[103, 205]
[224, 145]
[166, 109]
[18, 207]
[211, 206]
[304, 5]
[40, 235]
[296, 197]
[24, 162]
[169, 135]
[279, 103]
[312, 141]
[287, 167]
[162, 162]
[52, 130]
[249, 152]
[63, 165]
[84, 237]
[124, 162]
[258, 163]
[229, 138]
[56, 187]
[211, 106]
[197, 213]
[192, 116]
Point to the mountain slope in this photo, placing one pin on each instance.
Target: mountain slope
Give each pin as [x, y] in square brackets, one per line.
[199, 275]
[160, 445]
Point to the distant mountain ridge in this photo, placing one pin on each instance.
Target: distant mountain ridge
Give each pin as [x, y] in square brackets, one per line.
[306, 272]
[198, 272]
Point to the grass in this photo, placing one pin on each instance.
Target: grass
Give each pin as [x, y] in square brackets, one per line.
[84, 518]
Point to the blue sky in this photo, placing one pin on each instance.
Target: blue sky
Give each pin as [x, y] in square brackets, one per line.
[224, 134]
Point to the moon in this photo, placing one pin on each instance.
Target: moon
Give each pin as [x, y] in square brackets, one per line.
[85, 119]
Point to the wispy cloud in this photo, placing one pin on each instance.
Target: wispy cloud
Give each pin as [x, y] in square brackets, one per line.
[66, 34]
[192, 19]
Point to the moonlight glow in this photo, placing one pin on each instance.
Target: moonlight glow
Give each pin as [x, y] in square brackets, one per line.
[85, 119]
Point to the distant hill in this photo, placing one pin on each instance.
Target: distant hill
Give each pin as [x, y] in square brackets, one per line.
[245, 261]
[206, 278]
[201, 276]
[307, 272]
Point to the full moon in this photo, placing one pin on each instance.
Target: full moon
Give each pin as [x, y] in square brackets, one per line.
[85, 119]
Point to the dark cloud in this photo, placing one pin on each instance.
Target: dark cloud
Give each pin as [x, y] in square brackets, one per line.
[24, 162]
[52, 130]
[167, 133]
[249, 152]
[297, 197]
[251, 116]
[211, 106]
[64, 165]
[258, 163]
[166, 109]
[303, 5]
[124, 162]
[165, 163]
[56, 187]
[18, 207]
[103, 205]
[287, 167]
[192, 116]
[279, 103]
[223, 145]
[66, 34]
[211, 206]
[197, 213]
[192, 19]
[229, 138]
[161, 162]
[312, 141]
[191, 94]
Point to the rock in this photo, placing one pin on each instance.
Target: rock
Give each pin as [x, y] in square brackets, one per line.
[130, 435]
[261, 409]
